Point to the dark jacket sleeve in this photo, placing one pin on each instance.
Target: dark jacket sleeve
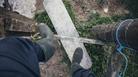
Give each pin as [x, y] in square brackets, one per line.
[19, 58]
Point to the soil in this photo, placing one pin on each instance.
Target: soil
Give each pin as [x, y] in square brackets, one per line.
[39, 6]
[85, 8]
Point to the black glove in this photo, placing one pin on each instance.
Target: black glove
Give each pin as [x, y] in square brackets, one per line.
[77, 57]
[47, 41]
[76, 69]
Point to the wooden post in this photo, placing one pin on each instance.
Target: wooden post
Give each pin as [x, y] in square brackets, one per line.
[65, 27]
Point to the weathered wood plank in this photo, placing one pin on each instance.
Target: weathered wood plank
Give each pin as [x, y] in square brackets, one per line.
[18, 22]
[65, 27]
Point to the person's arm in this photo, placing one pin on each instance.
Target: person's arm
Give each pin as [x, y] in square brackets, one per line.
[20, 57]
[124, 33]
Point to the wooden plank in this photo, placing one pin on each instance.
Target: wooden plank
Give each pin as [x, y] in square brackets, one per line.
[18, 22]
[65, 27]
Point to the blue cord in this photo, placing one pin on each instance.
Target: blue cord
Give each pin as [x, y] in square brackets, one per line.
[126, 61]
[120, 48]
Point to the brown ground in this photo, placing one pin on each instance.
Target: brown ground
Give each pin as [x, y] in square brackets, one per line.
[39, 6]
[84, 8]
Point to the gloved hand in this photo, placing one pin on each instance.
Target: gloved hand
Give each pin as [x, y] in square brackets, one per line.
[77, 57]
[76, 69]
[47, 41]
